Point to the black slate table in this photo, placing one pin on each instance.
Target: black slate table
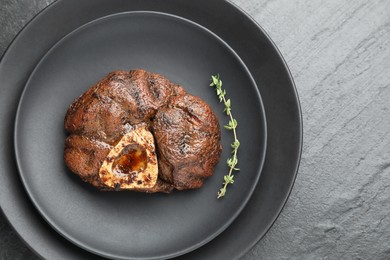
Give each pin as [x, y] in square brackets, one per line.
[339, 55]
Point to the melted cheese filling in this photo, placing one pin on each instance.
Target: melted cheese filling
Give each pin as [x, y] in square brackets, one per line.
[132, 163]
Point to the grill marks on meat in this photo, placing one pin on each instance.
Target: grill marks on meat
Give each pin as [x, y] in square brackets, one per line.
[185, 129]
[188, 136]
[121, 97]
[83, 156]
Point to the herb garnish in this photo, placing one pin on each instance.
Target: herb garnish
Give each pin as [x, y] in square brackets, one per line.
[232, 125]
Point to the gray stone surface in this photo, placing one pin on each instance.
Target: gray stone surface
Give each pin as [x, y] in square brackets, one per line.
[339, 55]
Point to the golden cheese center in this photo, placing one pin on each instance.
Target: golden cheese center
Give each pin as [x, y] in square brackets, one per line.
[133, 158]
[132, 163]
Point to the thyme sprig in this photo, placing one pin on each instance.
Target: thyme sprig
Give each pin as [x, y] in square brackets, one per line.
[232, 125]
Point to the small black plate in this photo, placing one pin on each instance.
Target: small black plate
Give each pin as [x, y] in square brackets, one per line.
[129, 225]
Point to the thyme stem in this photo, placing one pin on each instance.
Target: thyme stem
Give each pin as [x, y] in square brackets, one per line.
[232, 125]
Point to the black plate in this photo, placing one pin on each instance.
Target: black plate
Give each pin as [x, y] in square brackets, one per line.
[126, 225]
[248, 40]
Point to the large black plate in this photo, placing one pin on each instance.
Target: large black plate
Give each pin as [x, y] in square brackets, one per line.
[123, 224]
[245, 37]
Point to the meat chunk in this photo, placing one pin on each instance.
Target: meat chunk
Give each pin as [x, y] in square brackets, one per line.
[120, 99]
[84, 157]
[185, 130]
[187, 134]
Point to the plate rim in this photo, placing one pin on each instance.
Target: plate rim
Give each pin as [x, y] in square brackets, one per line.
[299, 107]
[72, 238]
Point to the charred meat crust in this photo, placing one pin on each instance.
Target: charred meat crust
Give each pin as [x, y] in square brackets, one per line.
[186, 131]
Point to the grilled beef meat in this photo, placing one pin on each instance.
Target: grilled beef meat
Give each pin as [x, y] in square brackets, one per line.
[187, 133]
[185, 130]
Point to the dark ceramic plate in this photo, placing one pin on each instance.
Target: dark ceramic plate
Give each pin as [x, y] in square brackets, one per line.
[244, 36]
[128, 225]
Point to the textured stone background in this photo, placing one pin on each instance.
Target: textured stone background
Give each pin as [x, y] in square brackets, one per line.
[339, 55]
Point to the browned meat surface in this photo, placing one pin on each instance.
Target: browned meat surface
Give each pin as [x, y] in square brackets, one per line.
[186, 131]
[121, 97]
